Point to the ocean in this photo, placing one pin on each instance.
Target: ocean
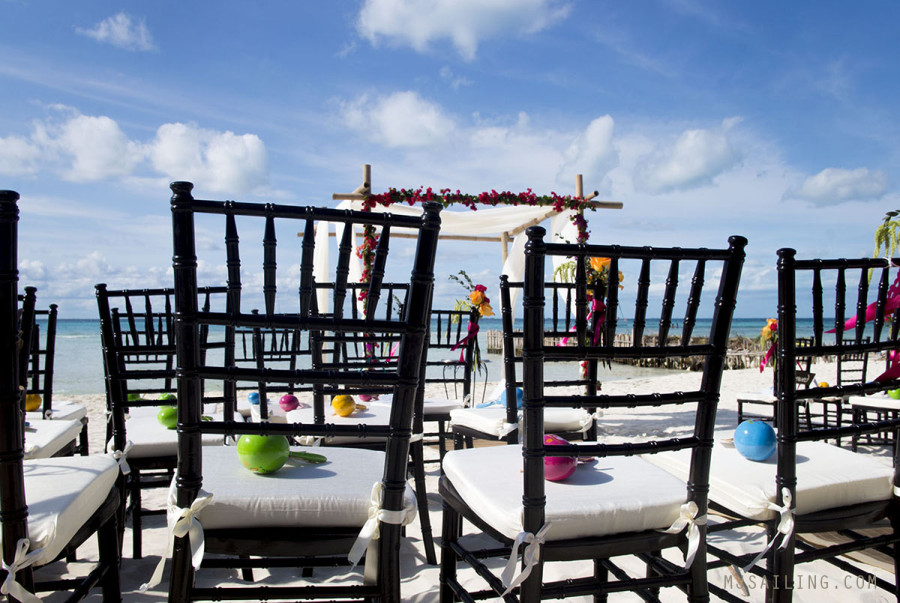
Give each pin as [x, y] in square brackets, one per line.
[79, 363]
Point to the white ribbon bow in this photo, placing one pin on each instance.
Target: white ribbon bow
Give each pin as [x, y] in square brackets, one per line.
[119, 455]
[688, 517]
[21, 560]
[186, 524]
[785, 526]
[531, 556]
[369, 531]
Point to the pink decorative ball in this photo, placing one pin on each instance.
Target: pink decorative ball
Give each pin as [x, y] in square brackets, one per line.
[558, 468]
[364, 397]
[288, 402]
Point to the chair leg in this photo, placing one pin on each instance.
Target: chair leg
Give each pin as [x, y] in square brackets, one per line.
[417, 455]
[182, 572]
[601, 574]
[442, 439]
[109, 549]
[450, 529]
[136, 519]
[698, 589]
[246, 572]
[83, 437]
[782, 588]
[651, 572]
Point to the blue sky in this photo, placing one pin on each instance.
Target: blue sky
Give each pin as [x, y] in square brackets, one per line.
[776, 121]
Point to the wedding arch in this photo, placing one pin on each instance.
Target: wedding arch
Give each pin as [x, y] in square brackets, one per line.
[492, 217]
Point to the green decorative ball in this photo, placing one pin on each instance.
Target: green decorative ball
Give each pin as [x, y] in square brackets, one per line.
[263, 454]
[167, 416]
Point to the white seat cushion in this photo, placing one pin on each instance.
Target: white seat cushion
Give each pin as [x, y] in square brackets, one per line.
[430, 406]
[877, 402]
[827, 477]
[436, 407]
[62, 493]
[150, 439]
[62, 410]
[607, 496]
[373, 415]
[335, 493]
[764, 396]
[492, 420]
[44, 438]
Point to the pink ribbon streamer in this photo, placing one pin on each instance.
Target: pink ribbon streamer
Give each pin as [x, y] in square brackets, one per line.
[596, 306]
[769, 354]
[891, 304]
[473, 332]
[893, 371]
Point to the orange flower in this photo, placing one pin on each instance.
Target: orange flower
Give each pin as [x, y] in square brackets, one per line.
[485, 309]
[598, 264]
[476, 297]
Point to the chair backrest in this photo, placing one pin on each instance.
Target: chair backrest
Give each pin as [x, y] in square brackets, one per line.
[852, 367]
[559, 329]
[13, 510]
[28, 332]
[138, 345]
[293, 311]
[452, 351]
[41, 359]
[642, 267]
[823, 285]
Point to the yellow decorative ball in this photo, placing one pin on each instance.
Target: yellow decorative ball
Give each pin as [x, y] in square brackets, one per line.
[32, 402]
[823, 384]
[345, 405]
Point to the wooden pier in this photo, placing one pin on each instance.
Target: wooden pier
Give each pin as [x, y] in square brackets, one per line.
[742, 351]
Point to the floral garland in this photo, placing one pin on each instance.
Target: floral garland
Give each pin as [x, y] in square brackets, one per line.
[768, 336]
[560, 203]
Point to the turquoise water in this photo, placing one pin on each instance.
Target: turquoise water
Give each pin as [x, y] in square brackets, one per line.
[79, 364]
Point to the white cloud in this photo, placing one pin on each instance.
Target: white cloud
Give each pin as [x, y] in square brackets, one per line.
[418, 23]
[122, 32]
[215, 161]
[836, 185]
[456, 81]
[694, 160]
[18, 156]
[473, 152]
[401, 119]
[95, 148]
[84, 148]
[592, 153]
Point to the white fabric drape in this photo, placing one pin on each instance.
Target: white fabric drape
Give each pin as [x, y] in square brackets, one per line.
[487, 221]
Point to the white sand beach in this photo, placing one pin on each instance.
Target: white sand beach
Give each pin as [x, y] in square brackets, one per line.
[816, 582]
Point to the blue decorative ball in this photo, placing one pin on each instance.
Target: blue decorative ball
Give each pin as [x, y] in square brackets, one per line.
[755, 440]
[520, 394]
[253, 397]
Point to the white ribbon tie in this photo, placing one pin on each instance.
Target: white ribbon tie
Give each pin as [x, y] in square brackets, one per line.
[186, 524]
[369, 531]
[21, 560]
[785, 526]
[688, 518]
[120, 455]
[531, 556]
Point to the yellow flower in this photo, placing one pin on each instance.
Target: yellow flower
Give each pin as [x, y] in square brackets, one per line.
[770, 331]
[598, 264]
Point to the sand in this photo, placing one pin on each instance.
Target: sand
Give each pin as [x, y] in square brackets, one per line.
[816, 582]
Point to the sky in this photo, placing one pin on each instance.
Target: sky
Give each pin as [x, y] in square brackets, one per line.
[776, 121]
